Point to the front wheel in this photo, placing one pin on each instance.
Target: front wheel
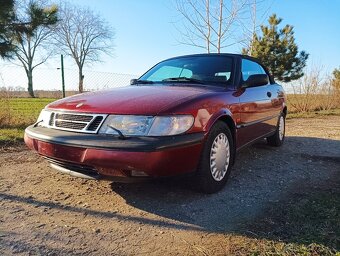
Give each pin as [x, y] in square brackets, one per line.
[216, 159]
[278, 137]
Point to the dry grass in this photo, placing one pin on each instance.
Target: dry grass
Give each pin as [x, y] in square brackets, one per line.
[303, 103]
[314, 92]
[243, 245]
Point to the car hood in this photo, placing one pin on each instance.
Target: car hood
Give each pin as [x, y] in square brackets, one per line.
[134, 100]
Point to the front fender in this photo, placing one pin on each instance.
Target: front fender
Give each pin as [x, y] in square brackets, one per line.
[217, 116]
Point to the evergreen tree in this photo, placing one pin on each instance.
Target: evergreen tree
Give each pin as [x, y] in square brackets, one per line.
[277, 50]
[7, 19]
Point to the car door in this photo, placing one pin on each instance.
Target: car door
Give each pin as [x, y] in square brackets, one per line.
[257, 112]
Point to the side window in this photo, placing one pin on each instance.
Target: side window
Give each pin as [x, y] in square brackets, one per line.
[250, 68]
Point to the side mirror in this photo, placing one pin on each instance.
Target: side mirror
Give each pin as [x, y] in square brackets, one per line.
[256, 80]
[133, 81]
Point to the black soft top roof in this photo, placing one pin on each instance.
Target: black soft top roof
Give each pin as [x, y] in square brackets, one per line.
[233, 55]
[219, 54]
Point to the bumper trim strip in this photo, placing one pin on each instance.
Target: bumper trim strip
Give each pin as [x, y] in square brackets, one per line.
[73, 173]
[111, 142]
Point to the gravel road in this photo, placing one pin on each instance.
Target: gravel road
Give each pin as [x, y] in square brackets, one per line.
[47, 213]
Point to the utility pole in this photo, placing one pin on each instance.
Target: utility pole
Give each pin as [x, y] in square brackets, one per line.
[62, 74]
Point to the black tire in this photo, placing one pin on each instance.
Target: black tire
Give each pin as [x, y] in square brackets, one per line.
[276, 140]
[204, 180]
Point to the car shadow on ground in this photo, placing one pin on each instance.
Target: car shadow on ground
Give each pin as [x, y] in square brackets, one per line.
[286, 194]
[266, 184]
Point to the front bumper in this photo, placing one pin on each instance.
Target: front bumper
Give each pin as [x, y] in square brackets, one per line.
[106, 155]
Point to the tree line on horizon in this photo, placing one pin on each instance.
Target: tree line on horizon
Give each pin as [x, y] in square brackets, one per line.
[31, 31]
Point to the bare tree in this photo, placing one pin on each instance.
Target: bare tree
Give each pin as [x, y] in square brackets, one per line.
[84, 36]
[257, 12]
[250, 29]
[313, 92]
[31, 40]
[210, 24]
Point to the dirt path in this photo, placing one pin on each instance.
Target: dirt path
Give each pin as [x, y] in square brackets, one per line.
[44, 212]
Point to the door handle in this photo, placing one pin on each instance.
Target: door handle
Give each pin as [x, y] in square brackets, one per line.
[269, 94]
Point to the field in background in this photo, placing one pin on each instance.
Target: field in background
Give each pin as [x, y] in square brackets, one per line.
[18, 113]
[302, 103]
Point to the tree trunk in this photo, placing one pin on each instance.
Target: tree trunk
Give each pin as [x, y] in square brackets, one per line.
[81, 80]
[208, 24]
[29, 74]
[220, 21]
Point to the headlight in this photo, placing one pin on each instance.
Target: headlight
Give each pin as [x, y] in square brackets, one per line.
[44, 118]
[170, 125]
[147, 125]
[128, 125]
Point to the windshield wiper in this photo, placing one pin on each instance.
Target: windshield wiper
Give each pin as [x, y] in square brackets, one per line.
[142, 82]
[182, 79]
[121, 136]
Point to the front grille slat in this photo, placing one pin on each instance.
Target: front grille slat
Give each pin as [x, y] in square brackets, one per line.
[86, 123]
[70, 125]
[51, 122]
[95, 123]
[73, 117]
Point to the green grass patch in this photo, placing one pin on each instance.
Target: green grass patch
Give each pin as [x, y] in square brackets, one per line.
[11, 136]
[20, 112]
[306, 223]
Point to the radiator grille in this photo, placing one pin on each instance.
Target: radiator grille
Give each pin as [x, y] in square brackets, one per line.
[87, 123]
[70, 125]
[74, 117]
[95, 123]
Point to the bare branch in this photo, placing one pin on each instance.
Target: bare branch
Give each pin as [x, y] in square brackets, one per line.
[31, 41]
[209, 23]
[84, 36]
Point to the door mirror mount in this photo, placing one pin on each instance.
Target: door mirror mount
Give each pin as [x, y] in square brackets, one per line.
[256, 80]
[133, 81]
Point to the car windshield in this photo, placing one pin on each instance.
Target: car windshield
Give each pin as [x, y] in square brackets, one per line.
[214, 70]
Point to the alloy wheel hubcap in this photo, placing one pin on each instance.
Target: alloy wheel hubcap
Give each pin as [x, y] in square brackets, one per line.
[219, 157]
[281, 128]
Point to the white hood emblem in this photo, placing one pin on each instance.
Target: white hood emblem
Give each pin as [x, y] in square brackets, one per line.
[79, 105]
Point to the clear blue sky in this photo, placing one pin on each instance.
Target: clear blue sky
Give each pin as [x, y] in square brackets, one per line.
[145, 33]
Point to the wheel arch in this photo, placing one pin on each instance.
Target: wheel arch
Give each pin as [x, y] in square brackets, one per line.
[225, 116]
[230, 122]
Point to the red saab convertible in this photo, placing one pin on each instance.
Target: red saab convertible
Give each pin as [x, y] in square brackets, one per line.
[188, 114]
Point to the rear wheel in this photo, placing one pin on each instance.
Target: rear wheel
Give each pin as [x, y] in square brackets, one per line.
[216, 159]
[278, 137]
